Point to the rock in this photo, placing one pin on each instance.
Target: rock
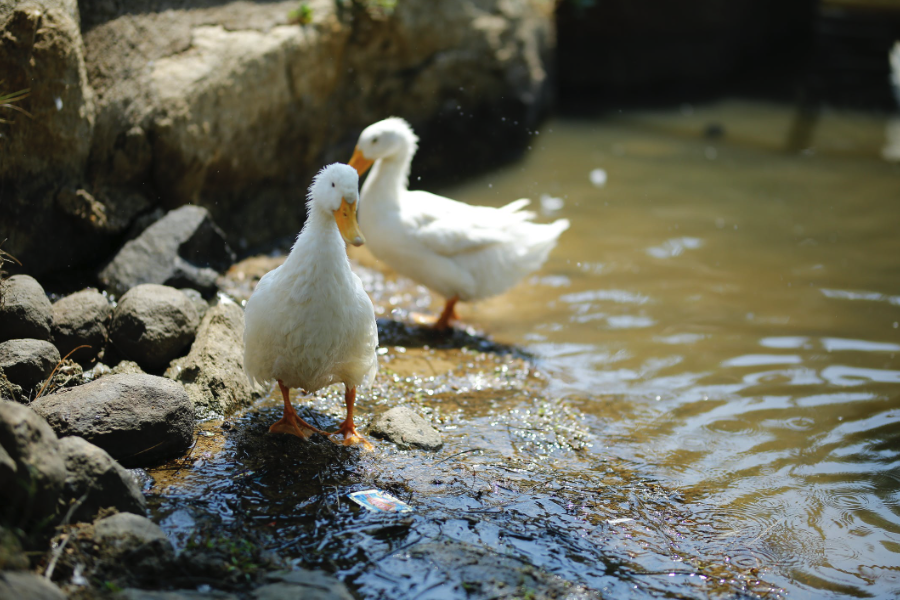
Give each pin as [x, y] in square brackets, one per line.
[27, 363]
[309, 585]
[12, 558]
[78, 319]
[42, 50]
[197, 298]
[43, 44]
[17, 585]
[11, 391]
[183, 249]
[213, 371]
[135, 594]
[133, 543]
[96, 481]
[34, 465]
[153, 324]
[97, 371]
[139, 420]
[406, 429]
[126, 367]
[25, 311]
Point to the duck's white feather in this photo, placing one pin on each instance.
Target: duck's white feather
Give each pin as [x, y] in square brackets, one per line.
[453, 248]
[309, 322]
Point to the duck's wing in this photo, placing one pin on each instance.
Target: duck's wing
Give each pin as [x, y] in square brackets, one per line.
[448, 227]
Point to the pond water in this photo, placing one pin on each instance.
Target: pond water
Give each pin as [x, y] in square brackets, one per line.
[725, 310]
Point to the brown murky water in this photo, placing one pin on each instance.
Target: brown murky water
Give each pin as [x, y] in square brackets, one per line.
[725, 309]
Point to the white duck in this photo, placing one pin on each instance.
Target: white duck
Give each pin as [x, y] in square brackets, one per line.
[460, 251]
[309, 323]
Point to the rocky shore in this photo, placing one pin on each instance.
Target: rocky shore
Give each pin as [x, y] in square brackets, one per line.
[94, 384]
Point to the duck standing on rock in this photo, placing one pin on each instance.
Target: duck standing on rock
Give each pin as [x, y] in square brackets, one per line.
[460, 251]
[309, 323]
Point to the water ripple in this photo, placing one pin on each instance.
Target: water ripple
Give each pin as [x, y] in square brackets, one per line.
[756, 360]
[674, 247]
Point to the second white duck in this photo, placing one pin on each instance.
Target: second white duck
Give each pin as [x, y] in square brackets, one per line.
[460, 251]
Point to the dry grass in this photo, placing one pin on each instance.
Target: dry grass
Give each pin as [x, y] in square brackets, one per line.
[7, 103]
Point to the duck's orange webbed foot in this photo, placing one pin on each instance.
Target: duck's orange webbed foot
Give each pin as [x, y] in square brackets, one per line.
[347, 428]
[351, 436]
[294, 425]
[291, 423]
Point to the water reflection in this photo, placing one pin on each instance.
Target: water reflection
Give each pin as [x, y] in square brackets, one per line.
[732, 324]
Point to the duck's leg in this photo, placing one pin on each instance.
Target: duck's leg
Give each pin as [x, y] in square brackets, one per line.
[448, 315]
[291, 422]
[347, 428]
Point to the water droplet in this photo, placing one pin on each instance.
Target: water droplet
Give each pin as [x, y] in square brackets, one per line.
[598, 178]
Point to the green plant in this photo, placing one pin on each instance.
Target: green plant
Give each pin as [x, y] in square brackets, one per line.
[302, 15]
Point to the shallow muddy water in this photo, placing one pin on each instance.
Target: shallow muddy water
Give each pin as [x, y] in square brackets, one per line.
[725, 311]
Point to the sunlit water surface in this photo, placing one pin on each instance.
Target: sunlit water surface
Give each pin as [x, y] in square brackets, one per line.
[725, 311]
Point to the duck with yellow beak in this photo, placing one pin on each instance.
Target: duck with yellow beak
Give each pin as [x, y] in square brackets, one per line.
[309, 323]
[458, 250]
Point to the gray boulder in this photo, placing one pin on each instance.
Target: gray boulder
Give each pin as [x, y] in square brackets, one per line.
[199, 302]
[32, 471]
[153, 324]
[134, 543]
[405, 428]
[95, 481]
[25, 311]
[183, 249]
[212, 372]
[309, 585]
[27, 586]
[78, 319]
[27, 363]
[139, 420]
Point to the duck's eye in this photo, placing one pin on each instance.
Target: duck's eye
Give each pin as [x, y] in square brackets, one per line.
[332, 184]
[375, 141]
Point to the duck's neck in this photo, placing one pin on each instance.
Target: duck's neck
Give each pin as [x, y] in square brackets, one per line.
[389, 176]
[319, 239]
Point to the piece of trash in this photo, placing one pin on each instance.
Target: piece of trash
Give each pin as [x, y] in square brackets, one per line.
[379, 501]
[598, 177]
[207, 433]
[617, 521]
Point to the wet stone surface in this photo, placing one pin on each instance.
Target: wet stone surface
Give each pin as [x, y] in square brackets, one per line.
[518, 503]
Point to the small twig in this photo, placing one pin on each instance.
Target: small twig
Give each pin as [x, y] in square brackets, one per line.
[58, 365]
[458, 454]
[57, 552]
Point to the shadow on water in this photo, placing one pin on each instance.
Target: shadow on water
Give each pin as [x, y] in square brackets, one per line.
[393, 332]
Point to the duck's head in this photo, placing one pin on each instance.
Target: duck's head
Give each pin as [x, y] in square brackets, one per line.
[335, 191]
[382, 140]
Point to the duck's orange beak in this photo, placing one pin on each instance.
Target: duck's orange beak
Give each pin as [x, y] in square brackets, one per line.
[345, 216]
[359, 162]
